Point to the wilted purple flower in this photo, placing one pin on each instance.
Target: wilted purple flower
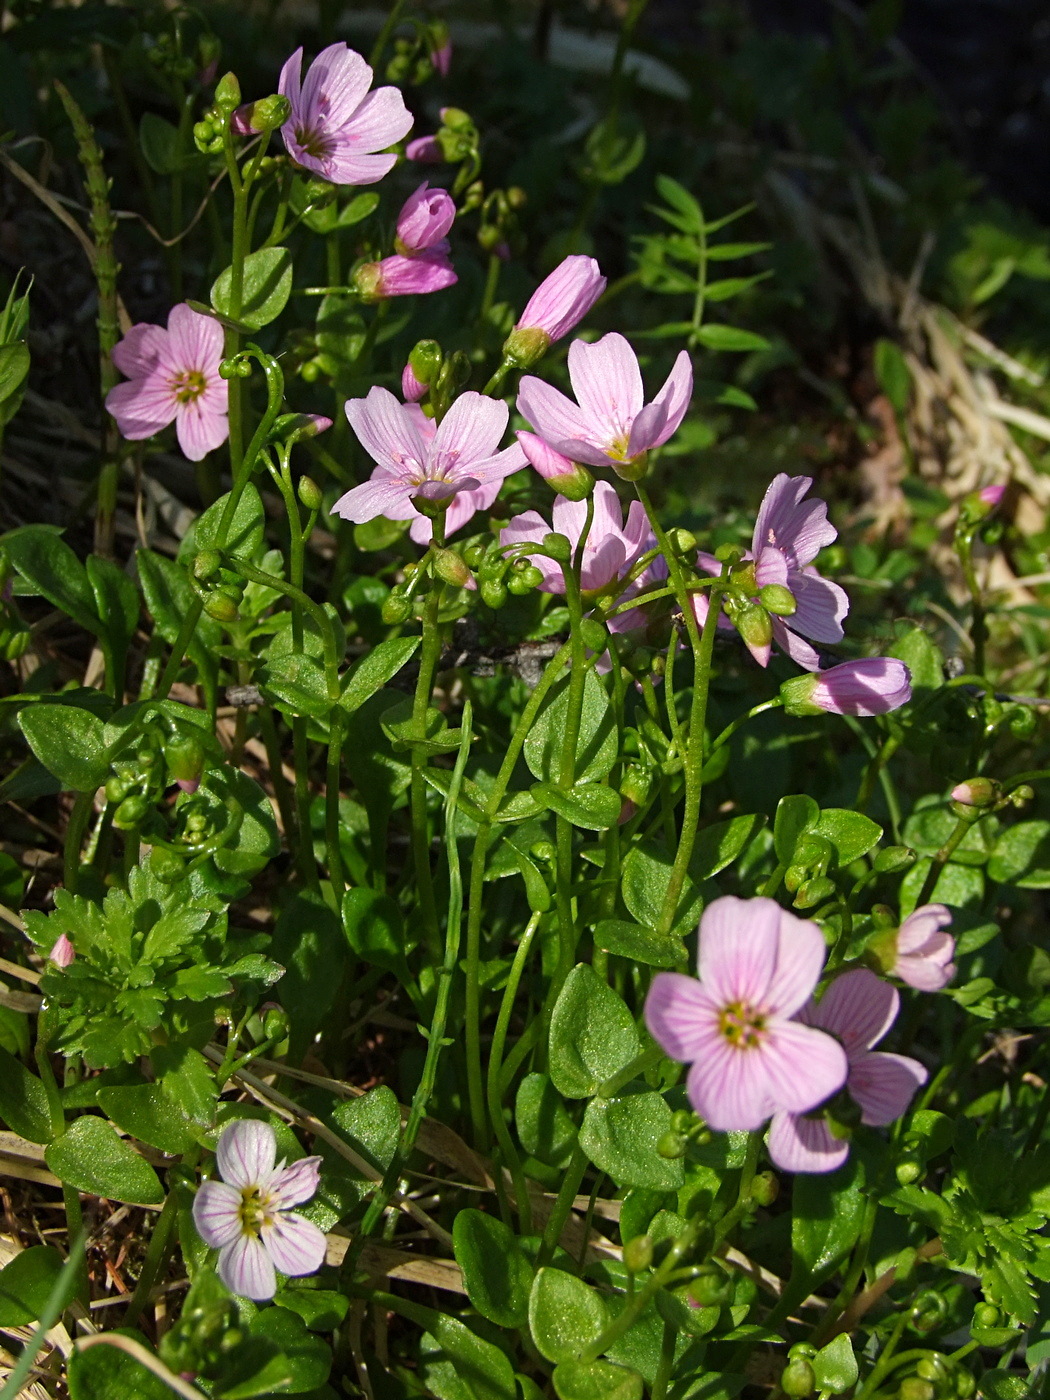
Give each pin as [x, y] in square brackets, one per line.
[398, 276]
[612, 426]
[922, 954]
[173, 376]
[337, 125]
[556, 307]
[434, 463]
[425, 218]
[247, 1216]
[858, 1009]
[789, 534]
[62, 951]
[758, 964]
[872, 686]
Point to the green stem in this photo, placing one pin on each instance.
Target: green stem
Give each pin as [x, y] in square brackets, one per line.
[493, 1091]
[83, 806]
[570, 1189]
[941, 859]
[491, 283]
[884, 1363]
[156, 1254]
[429, 654]
[393, 19]
[331, 804]
[740, 721]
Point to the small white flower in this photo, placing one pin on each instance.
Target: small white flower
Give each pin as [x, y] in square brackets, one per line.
[247, 1217]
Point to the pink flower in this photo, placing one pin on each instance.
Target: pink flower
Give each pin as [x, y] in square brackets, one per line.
[758, 965]
[858, 1009]
[247, 1216]
[991, 495]
[608, 553]
[399, 276]
[612, 426]
[336, 123]
[788, 536]
[426, 150]
[415, 458]
[62, 952]
[173, 376]
[425, 218]
[562, 299]
[924, 952]
[569, 479]
[872, 686]
[412, 389]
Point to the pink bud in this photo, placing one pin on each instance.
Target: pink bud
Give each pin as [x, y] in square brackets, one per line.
[425, 218]
[441, 58]
[425, 149]
[399, 276]
[873, 686]
[563, 475]
[923, 951]
[63, 952]
[992, 495]
[241, 120]
[412, 389]
[562, 300]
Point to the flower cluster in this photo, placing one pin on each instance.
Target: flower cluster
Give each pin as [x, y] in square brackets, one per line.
[762, 1047]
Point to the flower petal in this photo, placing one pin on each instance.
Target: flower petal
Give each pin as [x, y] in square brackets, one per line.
[246, 1268]
[681, 1016]
[558, 421]
[195, 340]
[790, 642]
[800, 959]
[335, 86]
[800, 530]
[388, 433]
[289, 85]
[296, 1245]
[141, 407]
[295, 1183]
[802, 1067]
[662, 418]
[217, 1213]
[348, 167]
[820, 606]
[380, 120]
[800, 1144]
[608, 386]
[884, 1085]
[246, 1152]
[200, 432]
[380, 495]
[859, 1008]
[470, 432]
[729, 1087]
[139, 352]
[738, 949]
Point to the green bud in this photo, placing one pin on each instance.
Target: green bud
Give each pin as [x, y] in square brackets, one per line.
[802, 1351]
[710, 1288]
[397, 608]
[777, 599]
[167, 865]
[964, 1382]
[473, 554]
[309, 493]
[814, 892]
[185, 756]
[1021, 795]
[544, 851]
[270, 112]
[638, 1254]
[636, 784]
[275, 1023]
[558, 547]
[595, 634]
[490, 236]
[683, 1121]
[117, 788]
[892, 859]
[730, 554]
[526, 346]
[131, 812]
[206, 564]
[929, 1310]
[908, 1170]
[931, 1367]
[683, 542]
[425, 360]
[451, 567]
[798, 1379]
[671, 1146]
[915, 1388]
[765, 1188]
[1022, 721]
[220, 606]
[493, 593]
[754, 626]
[228, 94]
[987, 1315]
[976, 792]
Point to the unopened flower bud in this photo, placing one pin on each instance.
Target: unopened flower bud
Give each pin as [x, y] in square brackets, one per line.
[977, 792]
[570, 479]
[814, 892]
[798, 1379]
[221, 607]
[166, 864]
[131, 812]
[595, 634]
[892, 859]
[908, 1170]
[526, 347]
[425, 360]
[915, 1388]
[1021, 795]
[309, 493]
[874, 686]
[559, 547]
[270, 112]
[206, 564]
[451, 567]
[670, 1146]
[987, 1315]
[62, 951]
[710, 1288]
[682, 541]
[754, 626]
[227, 94]
[185, 757]
[636, 784]
[730, 554]
[638, 1254]
[397, 608]
[777, 599]
[765, 1188]
[493, 593]
[275, 1023]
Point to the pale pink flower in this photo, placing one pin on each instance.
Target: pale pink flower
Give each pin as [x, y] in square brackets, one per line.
[62, 951]
[758, 965]
[789, 534]
[247, 1216]
[563, 298]
[874, 685]
[858, 1009]
[412, 389]
[609, 552]
[337, 125]
[400, 276]
[924, 951]
[416, 458]
[425, 219]
[173, 376]
[426, 150]
[611, 425]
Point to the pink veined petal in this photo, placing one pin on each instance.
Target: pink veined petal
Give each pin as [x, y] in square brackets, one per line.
[800, 530]
[638, 533]
[349, 167]
[138, 354]
[800, 959]
[859, 1008]
[217, 1213]
[388, 433]
[800, 1144]
[662, 418]
[921, 932]
[884, 1085]
[141, 407]
[795, 646]
[335, 86]
[559, 422]
[608, 386]
[196, 340]
[470, 432]
[608, 513]
[738, 949]
[499, 467]
[295, 1183]
[289, 85]
[681, 1016]
[602, 562]
[246, 1152]
[771, 567]
[803, 1067]
[296, 1245]
[729, 1087]
[568, 517]
[246, 1268]
[464, 505]
[200, 432]
[820, 608]
[380, 120]
[760, 651]
[922, 973]
[378, 496]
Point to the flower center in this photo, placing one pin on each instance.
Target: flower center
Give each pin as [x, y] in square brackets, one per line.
[314, 141]
[188, 385]
[742, 1024]
[256, 1211]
